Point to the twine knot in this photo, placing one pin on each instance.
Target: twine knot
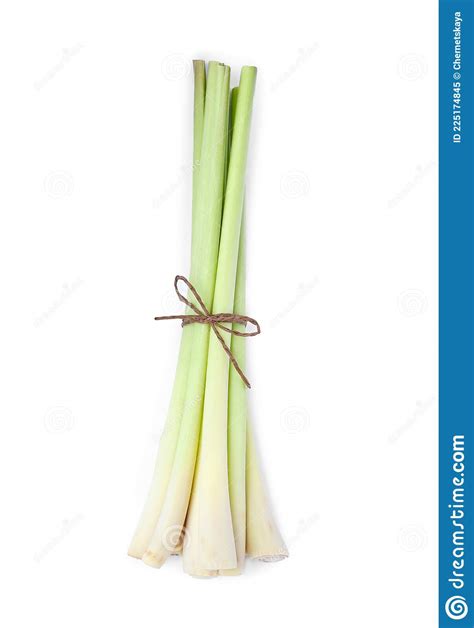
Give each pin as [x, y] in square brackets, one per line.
[216, 321]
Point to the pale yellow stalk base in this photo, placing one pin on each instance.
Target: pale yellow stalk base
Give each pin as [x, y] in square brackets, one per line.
[230, 572]
[166, 451]
[169, 438]
[154, 560]
[209, 520]
[264, 540]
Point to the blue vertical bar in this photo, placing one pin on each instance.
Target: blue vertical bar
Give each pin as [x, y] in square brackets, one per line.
[456, 320]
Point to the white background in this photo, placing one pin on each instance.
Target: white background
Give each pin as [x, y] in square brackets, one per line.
[342, 229]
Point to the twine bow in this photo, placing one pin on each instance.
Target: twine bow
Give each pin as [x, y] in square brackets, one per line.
[214, 320]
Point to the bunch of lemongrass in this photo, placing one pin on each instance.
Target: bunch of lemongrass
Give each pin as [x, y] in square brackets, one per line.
[207, 498]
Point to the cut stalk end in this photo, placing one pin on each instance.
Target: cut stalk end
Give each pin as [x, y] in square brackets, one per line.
[154, 560]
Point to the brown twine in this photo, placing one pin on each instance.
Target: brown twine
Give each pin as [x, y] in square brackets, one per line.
[214, 320]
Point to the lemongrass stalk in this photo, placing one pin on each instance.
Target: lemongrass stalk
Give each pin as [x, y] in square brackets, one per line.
[199, 68]
[237, 419]
[263, 539]
[194, 570]
[237, 424]
[167, 446]
[255, 529]
[209, 521]
[165, 538]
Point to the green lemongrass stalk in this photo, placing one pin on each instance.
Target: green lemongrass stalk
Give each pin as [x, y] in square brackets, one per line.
[255, 530]
[208, 573]
[199, 102]
[167, 446]
[237, 423]
[166, 537]
[209, 521]
[263, 540]
[237, 419]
